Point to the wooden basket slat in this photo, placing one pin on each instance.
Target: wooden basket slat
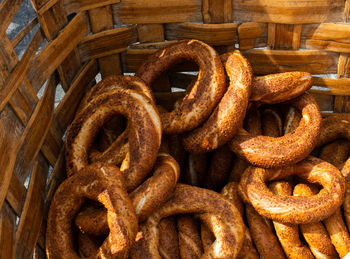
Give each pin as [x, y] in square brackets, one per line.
[78, 58]
[42, 4]
[213, 34]
[33, 211]
[47, 61]
[19, 72]
[284, 36]
[166, 11]
[288, 11]
[217, 11]
[52, 18]
[8, 10]
[72, 6]
[107, 42]
[23, 100]
[52, 145]
[19, 37]
[7, 232]
[274, 61]
[328, 46]
[36, 130]
[16, 194]
[324, 101]
[150, 32]
[66, 109]
[10, 126]
[101, 19]
[69, 69]
[252, 35]
[58, 174]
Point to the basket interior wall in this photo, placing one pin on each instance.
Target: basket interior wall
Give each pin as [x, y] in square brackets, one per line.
[73, 41]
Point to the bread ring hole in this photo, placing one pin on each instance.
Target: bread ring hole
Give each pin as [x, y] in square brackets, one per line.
[109, 132]
[170, 88]
[90, 233]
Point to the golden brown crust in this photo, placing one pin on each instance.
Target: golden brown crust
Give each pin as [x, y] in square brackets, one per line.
[338, 233]
[346, 204]
[265, 241]
[288, 234]
[295, 210]
[268, 152]
[252, 123]
[157, 189]
[189, 199]
[230, 192]
[198, 104]
[277, 88]
[207, 238]
[108, 136]
[335, 127]
[229, 113]
[105, 185]
[144, 135]
[315, 234]
[168, 239]
[190, 244]
[146, 198]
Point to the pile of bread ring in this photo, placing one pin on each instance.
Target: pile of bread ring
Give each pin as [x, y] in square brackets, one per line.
[241, 167]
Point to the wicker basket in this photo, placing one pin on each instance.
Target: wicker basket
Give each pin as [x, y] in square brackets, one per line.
[84, 37]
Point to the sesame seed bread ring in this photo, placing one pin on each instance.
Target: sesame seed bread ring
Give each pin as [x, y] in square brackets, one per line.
[119, 145]
[288, 234]
[315, 234]
[207, 91]
[168, 239]
[290, 209]
[100, 183]
[334, 127]
[267, 152]
[144, 134]
[146, 198]
[263, 235]
[281, 87]
[189, 199]
[190, 243]
[229, 113]
[230, 192]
